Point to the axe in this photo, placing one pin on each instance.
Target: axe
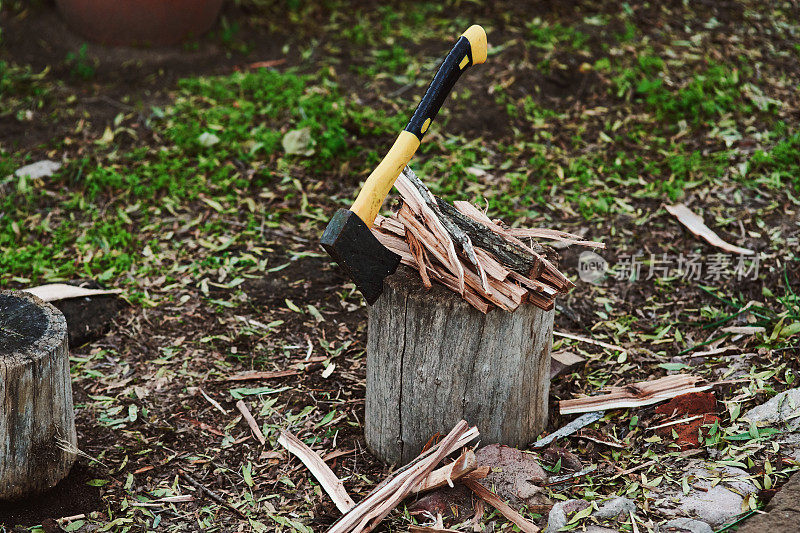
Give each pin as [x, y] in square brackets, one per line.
[348, 238]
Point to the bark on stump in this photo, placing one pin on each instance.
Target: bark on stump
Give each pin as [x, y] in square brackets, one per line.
[432, 359]
[38, 442]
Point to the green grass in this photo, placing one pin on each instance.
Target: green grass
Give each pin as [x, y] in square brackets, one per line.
[103, 199]
[778, 166]
[220, 141]
[703, 97]
[548, 36]
[552, 38]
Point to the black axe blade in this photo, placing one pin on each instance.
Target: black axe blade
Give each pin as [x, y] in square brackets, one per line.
[359, 253]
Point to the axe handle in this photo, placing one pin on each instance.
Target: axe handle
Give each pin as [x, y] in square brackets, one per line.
[470, 49]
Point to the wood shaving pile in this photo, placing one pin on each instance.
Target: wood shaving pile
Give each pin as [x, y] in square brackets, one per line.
[443, 243]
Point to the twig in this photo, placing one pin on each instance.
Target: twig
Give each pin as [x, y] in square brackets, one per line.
[213, 402]
[253, 375]
[680, 421]
[556, 480]
[332, 484]
[251, 421]
[71, 518]
[210, 493]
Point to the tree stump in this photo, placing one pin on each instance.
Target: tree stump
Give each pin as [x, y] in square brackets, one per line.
[38, 443]
[432, 359]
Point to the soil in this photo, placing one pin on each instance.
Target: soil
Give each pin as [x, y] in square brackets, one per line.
[88, 318]
[69, 498]
[125, 78]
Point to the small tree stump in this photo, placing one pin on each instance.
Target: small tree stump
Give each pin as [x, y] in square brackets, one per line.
[38, 442]
[432, 359]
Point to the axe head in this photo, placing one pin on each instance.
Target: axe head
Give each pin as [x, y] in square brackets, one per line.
[363, 258]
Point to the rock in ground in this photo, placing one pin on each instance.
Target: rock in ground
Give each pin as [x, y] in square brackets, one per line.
[780, 408]
[783, 512]
[613, 508]
[40, 169]
[516, 476]
[684, 525]
[560, 513]
[714, 504]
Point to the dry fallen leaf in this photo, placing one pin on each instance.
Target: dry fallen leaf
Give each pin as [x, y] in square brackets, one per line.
[695, 224]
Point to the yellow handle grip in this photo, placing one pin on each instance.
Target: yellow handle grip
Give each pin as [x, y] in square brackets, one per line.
[381, 180]
[476, 36]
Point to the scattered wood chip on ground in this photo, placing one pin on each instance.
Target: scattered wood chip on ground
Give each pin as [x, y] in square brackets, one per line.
[635, 394]
[385, 497]
[332, 484]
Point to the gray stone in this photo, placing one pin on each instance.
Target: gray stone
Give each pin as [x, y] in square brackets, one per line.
[40, 169]
[684, 525]
[559, 514]
[780, 408]
[612, 508]
[598, 529]
[714, 504]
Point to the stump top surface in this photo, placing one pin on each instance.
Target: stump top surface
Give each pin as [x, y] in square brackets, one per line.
[24, 321]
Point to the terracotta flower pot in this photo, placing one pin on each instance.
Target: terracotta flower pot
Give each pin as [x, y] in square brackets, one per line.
[140, 22]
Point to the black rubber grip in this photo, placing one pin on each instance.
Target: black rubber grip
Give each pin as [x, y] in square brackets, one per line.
[446, 77]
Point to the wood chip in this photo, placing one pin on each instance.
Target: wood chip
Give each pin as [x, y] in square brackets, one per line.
[61, 291]
[562, 360]
[635, 395]
[370, 511]
[242, 407]
[462, 249]
[493, 500]
[327, 479]
[695, 224]
[446, 475]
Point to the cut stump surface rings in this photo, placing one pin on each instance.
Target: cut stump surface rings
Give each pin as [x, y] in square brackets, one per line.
[38, 443]
[433, 359]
